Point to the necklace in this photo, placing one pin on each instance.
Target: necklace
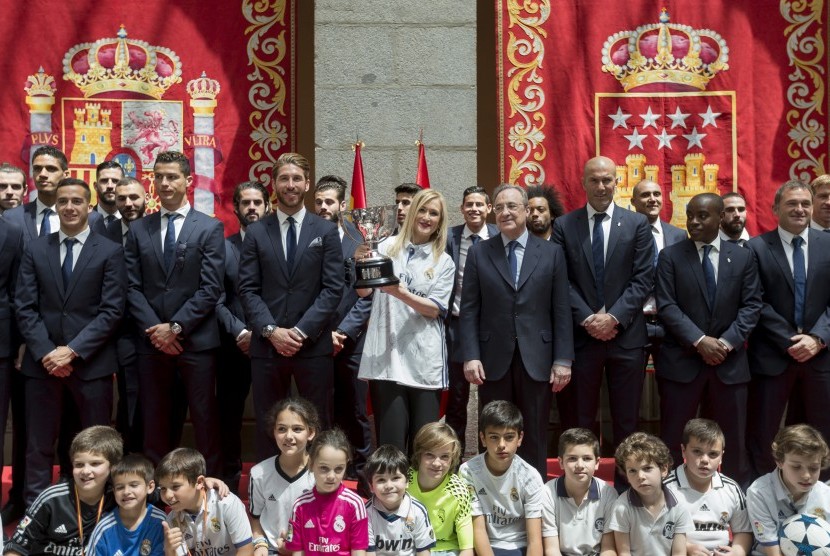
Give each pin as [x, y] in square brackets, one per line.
[80, 520]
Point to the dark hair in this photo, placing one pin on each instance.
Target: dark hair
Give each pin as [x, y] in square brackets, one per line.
[578, 437]
[133, 464]
[408, 188]
[48, 150]
[549, 194]
[475, 190]
[173, 157]
[789, 186]
[129, 180]
[643, 447]
[65, 182]
[237, 192]
[187, 462]
[332, 183]
[706, 431]
[500, 414]
[731, 194]
[386, 459]
[292, 158]
[301, 407]
[801, 440]
[98, 439]
[709, 198]
[334, 438]
[108, 165]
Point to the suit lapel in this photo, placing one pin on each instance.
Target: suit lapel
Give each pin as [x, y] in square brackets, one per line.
[307, 233]
[724, 269]
[30, 219]
[153, 229]
[777, 249]
[81, 262]
[614, 232]
[55, 262]
[456, 245]
[529, 261]
[583, 234]
[272, 228]
[693, 260]
[499, 259]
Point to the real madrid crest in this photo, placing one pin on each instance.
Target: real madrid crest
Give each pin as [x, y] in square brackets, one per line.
[514, 494]
[146, 547]
[339, 524]
[215, 525]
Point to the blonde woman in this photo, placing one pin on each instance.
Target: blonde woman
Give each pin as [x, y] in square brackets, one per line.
[405, 355]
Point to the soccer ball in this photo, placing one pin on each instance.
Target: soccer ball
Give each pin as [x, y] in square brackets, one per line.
[804, 535]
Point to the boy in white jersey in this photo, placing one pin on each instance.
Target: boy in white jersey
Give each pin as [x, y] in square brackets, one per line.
[647, 519]
[507, 491]
[398, 524]
[199, 522]
[800, 454]
[576, 508]
[715, 502]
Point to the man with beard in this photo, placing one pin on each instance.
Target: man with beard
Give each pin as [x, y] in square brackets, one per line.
[349, 326]
[733, 219]
[545, 207]
[290, 283]
[107, 175]
[821, 202]
[12, 186]
[233, 376]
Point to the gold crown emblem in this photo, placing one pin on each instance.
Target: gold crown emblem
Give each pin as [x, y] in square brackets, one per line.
[203, 88]
[665, 57]
[122, 64]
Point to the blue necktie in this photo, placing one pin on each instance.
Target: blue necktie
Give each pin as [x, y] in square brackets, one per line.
[475, 238]
[170, 240]
[66, 267]
[513, 261]
[598, 251]
[45, 225]
[709, 275]
[291, 240]
[656, 251]
[800, 280]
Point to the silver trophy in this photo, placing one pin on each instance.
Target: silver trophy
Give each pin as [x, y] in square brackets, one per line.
[371, 226]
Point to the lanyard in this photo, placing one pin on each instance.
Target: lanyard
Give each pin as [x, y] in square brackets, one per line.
[183, 527]
[80, 521]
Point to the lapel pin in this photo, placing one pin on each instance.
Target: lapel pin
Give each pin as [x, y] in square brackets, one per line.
[728, 260]
[619, 224]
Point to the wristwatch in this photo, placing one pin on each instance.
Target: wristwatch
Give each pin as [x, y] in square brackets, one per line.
[175, 328]
[268, 331]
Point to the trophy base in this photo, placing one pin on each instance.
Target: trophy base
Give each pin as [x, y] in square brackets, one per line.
[375, 272]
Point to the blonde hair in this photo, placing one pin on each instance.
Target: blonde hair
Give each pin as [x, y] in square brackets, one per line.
[439, 237]
[433, 436]
[801, 440]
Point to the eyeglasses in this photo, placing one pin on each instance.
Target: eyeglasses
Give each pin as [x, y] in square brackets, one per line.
[509, 207]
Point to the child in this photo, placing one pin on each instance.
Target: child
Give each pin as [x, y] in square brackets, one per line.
[800, 454]
[715, 502]
[277, 482]
[507, 491]
[576, 509]
[52, 523]
[133, 528]
[398, 524]
[647, 519]
[199, 520]
[436, 452]
[330, 519]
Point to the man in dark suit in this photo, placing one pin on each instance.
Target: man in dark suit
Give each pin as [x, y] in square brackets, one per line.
[545, 207]
[516, 332]
[233, 376]
[175, 263]
[290, 283]
[107, 175]
[647, 199]
[709, 300]
[788, 348]
[733, 220]
[610, 254]
[349, 329]
[12, 186]
[70, 298]
[475, 207]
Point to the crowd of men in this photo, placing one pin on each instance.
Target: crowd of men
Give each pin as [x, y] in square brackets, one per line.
[543, 302]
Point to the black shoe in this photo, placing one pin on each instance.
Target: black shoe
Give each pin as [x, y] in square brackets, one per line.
[12, 511]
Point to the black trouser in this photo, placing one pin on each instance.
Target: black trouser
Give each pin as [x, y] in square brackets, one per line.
[400, 412]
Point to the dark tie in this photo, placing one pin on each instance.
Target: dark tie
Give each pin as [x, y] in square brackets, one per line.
[598, 250]
[475, 238]
[709, 275]
[800, 280]
[45, 225]
[291, 240]
[656, 251]
[109, 218]
[826, 230]
[170, 240]
[66, 267]
[513, 261]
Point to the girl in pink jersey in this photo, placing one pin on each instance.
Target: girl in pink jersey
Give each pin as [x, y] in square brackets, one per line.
[330, 519]
[278, 481]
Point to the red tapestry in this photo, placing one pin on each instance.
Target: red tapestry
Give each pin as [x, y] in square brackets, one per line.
[700, 96]
[126, 80]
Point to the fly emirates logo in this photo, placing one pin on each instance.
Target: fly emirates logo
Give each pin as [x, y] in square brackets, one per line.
[323, 545]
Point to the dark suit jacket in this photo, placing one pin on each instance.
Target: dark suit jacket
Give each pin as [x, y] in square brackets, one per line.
[454, 251]
[672, 234]
[188, 292]
[25, 218]
[305, 296]
[84, 316]
[352, 314]
[11, 249]
[684, 311]
[495, 316]
[229, 310]
[628, 272]
[113, 231]
[769, 342]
